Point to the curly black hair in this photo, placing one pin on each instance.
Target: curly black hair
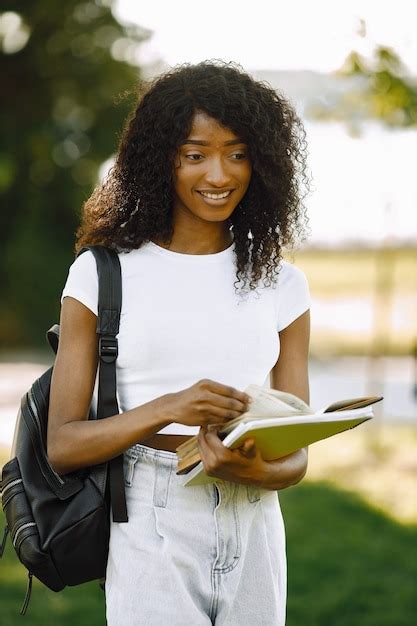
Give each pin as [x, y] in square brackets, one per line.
[134, 202]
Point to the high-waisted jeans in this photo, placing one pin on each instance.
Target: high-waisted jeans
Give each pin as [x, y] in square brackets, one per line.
[212, 554]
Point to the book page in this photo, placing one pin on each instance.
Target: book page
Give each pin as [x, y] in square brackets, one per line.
[275, 403]
[269, 403]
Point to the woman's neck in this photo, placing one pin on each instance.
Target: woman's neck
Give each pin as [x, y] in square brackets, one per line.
[187, 245]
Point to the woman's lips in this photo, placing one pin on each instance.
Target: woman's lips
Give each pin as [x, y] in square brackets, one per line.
[216, 201]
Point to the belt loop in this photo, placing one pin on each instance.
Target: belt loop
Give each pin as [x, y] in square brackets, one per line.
[162, 477]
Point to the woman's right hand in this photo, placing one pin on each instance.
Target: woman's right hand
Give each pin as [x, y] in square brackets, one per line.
[206, 402]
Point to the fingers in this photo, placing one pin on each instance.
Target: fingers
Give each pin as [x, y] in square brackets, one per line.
[208, 455]
[227, 403]
[226, 396]
[248, 449]
[220, 409]
[233, 403]
[218, 403]
[217, 458]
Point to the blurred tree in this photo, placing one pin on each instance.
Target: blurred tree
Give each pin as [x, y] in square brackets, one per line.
[382, 89]
[389, 94]
[63, 67]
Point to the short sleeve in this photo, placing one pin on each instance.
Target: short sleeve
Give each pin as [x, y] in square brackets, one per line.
[293, 295]
[82, 281]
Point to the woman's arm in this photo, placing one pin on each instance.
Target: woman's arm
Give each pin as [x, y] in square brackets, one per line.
[291, 374]
[291, 370]
[73, 440]
[245, 464]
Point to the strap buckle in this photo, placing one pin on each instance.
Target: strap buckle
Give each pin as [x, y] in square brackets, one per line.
[108, 349]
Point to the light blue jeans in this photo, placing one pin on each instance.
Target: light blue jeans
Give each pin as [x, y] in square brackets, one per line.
[212, 554]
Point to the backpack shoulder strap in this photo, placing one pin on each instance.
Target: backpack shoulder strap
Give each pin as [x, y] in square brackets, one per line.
[109, 294]
[108, 320]
[109, 301]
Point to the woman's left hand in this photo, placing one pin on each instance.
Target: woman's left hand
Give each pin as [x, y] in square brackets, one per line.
[245, 464]
[241, 465]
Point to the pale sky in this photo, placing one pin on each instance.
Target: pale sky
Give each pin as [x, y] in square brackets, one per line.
[272, 34]
[363, 181]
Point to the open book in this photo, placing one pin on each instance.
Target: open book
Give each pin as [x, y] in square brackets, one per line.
[280, 423]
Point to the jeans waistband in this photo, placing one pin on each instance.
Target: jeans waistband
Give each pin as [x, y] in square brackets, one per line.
[151, 454]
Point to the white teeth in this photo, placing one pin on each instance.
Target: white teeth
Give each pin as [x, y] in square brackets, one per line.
[215, 196]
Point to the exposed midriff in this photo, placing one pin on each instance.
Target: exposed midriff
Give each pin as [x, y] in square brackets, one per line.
[165, 442]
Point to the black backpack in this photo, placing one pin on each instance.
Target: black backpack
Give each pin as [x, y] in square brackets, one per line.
[59, 525]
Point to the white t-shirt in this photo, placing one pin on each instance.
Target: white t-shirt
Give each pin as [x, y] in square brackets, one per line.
[181, 321]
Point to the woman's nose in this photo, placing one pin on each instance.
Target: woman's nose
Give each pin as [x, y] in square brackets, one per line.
[217, 174]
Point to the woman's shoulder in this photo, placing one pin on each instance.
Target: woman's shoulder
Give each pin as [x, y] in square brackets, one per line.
[290, 273]
[82, 281]
[83, 265]
[86, 259]
[293, 294]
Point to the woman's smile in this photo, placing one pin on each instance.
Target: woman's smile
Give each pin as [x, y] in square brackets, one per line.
[214, 198]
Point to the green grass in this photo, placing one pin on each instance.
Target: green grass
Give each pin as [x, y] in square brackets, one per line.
[349, 565]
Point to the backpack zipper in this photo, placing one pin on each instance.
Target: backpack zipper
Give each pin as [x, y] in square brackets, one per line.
[34, 413]
[36, 403]
[10, 485]
[19, 530]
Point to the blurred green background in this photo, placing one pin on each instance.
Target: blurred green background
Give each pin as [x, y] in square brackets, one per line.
[348, 565]
[66, 72]
[60, 122]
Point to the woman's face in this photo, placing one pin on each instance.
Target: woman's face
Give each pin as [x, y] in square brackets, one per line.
[212, 171]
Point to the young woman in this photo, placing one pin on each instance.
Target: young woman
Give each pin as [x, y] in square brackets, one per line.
[205, 192]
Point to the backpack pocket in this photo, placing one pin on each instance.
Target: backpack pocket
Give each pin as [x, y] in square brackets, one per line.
[23, 529]
[12, 490]
[16, 507]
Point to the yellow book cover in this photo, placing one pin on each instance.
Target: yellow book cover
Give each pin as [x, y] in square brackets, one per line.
[279, 430]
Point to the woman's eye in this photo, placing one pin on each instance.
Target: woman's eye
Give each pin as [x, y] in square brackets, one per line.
[237, 156]
[191, 157]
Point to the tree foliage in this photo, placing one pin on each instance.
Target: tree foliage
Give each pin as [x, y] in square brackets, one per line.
[390, 95]
[64, 67]
[384, 91]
